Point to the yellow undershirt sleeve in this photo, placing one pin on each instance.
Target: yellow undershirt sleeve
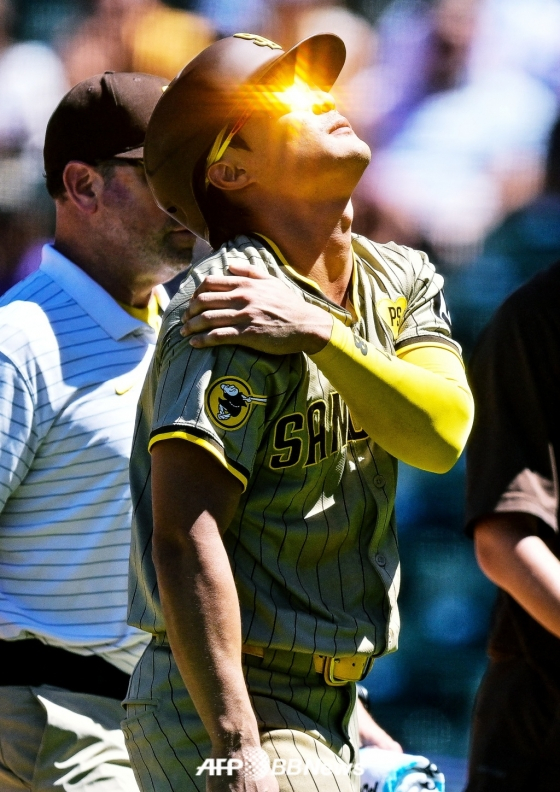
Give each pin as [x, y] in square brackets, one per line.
[417, 406]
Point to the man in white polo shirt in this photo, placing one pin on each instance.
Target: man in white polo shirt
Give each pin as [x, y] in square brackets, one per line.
[76, 338]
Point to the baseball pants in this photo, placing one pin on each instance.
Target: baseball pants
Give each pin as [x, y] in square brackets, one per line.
[308, 728]
[52, 738]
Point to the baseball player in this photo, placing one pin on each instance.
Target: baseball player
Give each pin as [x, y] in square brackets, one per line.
[264, 558]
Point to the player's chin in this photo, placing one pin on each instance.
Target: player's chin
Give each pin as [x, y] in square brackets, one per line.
[360, 151]
[350, 151]
[352, 162]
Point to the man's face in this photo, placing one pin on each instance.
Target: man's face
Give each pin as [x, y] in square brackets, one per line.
[136, 231]
[304, 148]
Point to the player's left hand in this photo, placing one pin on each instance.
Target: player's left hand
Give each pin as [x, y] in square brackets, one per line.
[254, 309]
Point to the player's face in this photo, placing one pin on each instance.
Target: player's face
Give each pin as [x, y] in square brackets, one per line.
[305, 148]
[145, 238]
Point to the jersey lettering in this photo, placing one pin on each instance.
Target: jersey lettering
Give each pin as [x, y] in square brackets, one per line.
[283, 441]
[313, 430]
[316, 432]
[392, 312]
[339, 418]
[356, 432]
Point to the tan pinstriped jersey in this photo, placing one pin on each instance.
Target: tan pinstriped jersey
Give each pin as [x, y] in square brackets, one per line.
[313, 544]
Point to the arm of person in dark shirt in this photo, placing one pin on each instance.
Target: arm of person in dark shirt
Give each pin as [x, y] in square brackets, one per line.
[514, 557]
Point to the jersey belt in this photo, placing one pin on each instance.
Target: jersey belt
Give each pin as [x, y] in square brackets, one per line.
[335, 670]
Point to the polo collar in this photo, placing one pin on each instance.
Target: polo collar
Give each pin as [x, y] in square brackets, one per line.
[94, 300]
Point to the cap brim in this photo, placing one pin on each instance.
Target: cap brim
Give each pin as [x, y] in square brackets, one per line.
[136, 153]
[318, 59]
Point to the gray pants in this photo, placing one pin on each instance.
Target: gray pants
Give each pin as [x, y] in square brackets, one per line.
[55, 739]
[307, 728]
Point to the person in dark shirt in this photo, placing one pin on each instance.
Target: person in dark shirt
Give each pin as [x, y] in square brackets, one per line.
[512, 512]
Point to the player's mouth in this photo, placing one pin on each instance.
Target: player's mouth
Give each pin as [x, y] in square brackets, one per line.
[340, 126]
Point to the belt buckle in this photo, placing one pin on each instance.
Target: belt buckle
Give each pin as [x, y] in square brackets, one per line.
[367, 667]
[328, 674]
[331, 679]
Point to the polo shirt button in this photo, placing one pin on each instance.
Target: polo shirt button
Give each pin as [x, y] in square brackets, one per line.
[380, 559]
[379, 481]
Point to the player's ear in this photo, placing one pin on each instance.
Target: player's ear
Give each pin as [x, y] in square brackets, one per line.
[228, 176]
[83, 185]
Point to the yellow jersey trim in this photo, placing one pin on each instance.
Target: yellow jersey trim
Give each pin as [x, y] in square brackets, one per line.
[180, 435]
[449, 347]
[282, 258]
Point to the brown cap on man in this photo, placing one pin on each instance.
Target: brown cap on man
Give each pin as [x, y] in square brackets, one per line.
[103, 117]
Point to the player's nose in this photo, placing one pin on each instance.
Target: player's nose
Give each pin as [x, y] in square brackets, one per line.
[323, 102]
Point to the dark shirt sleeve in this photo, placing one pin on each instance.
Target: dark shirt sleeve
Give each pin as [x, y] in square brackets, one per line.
[516, 381]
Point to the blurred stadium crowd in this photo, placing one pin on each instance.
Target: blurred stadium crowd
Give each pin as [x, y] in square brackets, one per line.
[458, 100]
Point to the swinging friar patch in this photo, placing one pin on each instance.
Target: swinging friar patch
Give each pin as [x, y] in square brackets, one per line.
[230, 402]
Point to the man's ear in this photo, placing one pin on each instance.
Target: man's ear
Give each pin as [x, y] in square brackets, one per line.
[227, 176]
[83, 186]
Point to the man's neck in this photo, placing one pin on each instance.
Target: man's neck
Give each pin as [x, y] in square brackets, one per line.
[123, 287]
[316, 241]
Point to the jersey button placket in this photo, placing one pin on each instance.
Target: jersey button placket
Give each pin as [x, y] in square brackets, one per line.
[380, 559]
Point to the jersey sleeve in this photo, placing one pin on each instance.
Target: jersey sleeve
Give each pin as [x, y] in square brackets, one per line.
[18, 432]
[515, 378]
[426, 319]
[221, 399]
[412, 304]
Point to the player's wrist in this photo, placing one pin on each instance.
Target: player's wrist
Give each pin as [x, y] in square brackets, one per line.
[235, 739]
[317, 332]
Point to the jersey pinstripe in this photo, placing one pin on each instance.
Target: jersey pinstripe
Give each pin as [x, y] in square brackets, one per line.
[71, 367]
[313, 543]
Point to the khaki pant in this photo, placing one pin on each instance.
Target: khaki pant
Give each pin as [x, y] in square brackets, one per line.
[53, 739]
[308, 729]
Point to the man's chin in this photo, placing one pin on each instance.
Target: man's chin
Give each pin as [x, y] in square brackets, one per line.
[176, 260]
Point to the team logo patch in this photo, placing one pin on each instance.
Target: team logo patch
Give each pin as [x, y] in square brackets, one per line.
[260, 41]
[230, 401]
[392, 313]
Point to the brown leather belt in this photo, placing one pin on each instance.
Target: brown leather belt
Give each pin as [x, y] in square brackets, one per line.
[334, 670]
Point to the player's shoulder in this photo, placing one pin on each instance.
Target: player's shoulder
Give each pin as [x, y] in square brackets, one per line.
[243, 249]
[401, 266]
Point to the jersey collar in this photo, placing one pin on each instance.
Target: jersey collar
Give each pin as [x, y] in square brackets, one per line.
[313, 289]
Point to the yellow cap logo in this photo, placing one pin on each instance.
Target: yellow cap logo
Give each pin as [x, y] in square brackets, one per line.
[230, 401]
[260, 41]
[392, 313]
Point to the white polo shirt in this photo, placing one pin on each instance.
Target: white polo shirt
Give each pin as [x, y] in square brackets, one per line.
[72, 364]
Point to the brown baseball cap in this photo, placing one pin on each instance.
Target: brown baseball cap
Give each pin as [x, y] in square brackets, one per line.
[213, 90]
[100, 118]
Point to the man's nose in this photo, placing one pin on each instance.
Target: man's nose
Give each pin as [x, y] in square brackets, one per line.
[323, 102]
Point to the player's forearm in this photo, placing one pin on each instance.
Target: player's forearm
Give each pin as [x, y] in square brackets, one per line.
[515, 558]
[418, 416]
[198, 594]
[205, 634]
